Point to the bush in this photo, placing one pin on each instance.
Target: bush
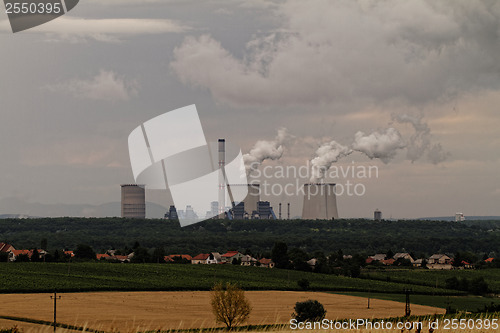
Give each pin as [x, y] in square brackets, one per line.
[303, 284]
[310, 310]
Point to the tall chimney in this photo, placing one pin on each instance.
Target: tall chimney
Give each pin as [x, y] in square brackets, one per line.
[288, 210]
[222, 180]
[280, 212]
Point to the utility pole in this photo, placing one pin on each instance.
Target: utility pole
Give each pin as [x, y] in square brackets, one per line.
[55, 298]
[369, 290]
[407, 307]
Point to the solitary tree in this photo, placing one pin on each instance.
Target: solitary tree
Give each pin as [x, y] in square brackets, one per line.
[310, 310]
[229, 304]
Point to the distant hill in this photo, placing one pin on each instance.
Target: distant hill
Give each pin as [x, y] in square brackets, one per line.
[467, 218]
[17, 208]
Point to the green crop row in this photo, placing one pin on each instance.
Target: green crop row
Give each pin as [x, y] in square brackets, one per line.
[99, 276]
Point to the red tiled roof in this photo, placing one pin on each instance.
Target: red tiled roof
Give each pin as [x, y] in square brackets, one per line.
[489, 260]
[265, 261]
[18, 252]
[69, 253]
[102, 255]
[230, 254]
[201, 256]
[388, 262]
[369, 260]
[464, 262]
[120, 257]
[172, 257]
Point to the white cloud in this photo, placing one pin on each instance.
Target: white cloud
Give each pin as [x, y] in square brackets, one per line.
[105, 86]
[74, 29]
[351, 51]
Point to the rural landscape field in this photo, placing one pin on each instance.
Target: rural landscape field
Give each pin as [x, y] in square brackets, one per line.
[150, 297]
[142, 291]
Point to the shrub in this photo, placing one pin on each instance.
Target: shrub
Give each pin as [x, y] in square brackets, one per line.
[310, 310]
[303, 284]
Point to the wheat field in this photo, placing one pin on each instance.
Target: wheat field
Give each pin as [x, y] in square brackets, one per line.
[140, 311]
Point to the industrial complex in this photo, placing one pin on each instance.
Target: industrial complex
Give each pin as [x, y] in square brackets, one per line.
[319, 200]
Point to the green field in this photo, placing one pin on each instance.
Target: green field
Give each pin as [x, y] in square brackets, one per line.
[460, 303]
[433, 278]
[98, 276]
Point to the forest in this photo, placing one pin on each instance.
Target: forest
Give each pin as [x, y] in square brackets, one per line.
[365, 237]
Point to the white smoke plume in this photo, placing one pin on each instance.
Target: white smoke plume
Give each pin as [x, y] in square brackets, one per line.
[382, 145]
[326, 155]
[420, 141]
[267, 150]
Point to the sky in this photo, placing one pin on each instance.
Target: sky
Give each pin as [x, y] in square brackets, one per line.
[410, 88]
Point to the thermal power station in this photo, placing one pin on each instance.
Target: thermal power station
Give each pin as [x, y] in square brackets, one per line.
[133, 201]
[320, 202]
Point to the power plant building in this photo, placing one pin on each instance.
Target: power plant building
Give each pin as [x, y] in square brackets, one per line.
[250, 203]
[133, 204]
[320, 202]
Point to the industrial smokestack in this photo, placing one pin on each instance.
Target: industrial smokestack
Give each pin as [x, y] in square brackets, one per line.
[222, 178]
[280, 212]
[320, 202]
[288, 214]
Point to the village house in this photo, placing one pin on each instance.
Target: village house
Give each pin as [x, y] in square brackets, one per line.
[417, 263]
[230, 256]
[14, 254]
[402, 255]
[466, 265]
[312, 263]
[439, 261]
[200, 259]
[207, 258]
[177, 257]
[248, 260]
[266, 263]
[388, 262]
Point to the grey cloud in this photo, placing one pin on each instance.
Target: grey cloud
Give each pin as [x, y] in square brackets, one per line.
[334, 52]
[73, 29]
[105, 86]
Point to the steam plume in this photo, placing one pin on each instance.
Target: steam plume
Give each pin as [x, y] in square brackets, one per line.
[326, 155]
[420, 141]
[266, 150]
[382, 145]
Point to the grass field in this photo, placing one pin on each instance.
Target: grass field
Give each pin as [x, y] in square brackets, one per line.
[75, 277]
[140, 311]
[460, 303]
[427, 277]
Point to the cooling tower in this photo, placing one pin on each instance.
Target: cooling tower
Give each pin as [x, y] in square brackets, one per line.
[133, 201]
[320, 202]
[252, 197]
